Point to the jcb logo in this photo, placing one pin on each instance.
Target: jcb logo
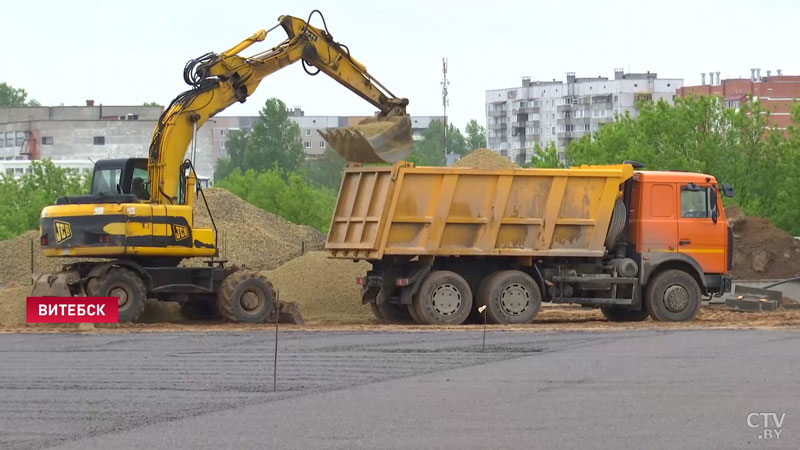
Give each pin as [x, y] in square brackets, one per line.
[63, 231]
[180, 232]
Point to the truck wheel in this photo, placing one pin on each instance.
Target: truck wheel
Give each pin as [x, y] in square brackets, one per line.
[510, 296]
[245, 296]
[376, 312]
[673, 296]
[393, 313]
[412, 311]
[129, 289]
[624, 315]
[444, 297]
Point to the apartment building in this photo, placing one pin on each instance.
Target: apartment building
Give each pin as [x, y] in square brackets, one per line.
[540, 112]
[75, 136]
[777, 93]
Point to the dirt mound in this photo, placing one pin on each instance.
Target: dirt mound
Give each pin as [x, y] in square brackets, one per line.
[761, 251]
[15, 260]
[251, 237]
[483, 158]
[325, 288]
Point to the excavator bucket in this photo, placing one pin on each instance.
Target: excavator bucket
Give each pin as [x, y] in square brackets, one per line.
[374, 140]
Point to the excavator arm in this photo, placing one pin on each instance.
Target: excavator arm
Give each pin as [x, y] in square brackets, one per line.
[219, 80]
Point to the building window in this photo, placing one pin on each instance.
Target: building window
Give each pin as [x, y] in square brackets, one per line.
[321, 144]
[554, 130]
[616, 99]
[308, 132]
[47, 140]
[222, 144]
[586, 127]
[222, 132]
[308, 144]
[99, 140]
[9, 171]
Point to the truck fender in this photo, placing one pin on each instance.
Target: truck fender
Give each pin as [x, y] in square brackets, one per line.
[413, 284]
[653, 262]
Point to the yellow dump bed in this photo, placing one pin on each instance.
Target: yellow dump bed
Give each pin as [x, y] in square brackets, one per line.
[452, 211]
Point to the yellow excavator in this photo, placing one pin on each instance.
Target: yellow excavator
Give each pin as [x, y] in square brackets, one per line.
[138, 216]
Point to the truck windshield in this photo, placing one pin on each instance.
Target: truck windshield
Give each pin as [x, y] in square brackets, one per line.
[106, 181]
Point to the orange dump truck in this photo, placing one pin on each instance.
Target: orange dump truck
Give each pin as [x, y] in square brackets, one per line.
[443, 241]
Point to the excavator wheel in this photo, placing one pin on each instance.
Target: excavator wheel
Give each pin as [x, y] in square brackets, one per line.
[127, 286]
[245, 296]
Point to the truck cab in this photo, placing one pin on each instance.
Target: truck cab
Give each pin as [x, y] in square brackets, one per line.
[677, 221]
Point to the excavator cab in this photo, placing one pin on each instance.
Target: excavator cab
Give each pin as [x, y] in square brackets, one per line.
[121, 176]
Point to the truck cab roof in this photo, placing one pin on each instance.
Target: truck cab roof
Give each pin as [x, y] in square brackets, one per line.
[672, 176]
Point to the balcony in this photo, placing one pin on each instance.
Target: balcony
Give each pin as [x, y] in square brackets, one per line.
[561, 108]
[498, 112]
[519, 124]
[497, 126]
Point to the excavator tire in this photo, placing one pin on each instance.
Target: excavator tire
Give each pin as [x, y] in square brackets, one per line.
[127, 286]
[245, 296]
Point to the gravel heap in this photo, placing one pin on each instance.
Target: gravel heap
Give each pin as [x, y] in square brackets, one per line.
[761, 251]
[483, 158]
[325, 288]
[15, 259]
[249, 236]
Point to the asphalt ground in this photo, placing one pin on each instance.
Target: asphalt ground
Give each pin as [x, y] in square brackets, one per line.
[423, 389]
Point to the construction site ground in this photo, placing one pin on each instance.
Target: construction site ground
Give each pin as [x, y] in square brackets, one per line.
[551, 318]
[213, 389]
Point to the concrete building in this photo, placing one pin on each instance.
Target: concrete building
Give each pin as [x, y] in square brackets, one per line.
[540, 112]
[313, 144]
[70, 134]
[777, 93]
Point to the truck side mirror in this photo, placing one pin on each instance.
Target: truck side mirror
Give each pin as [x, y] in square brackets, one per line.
[727, 189]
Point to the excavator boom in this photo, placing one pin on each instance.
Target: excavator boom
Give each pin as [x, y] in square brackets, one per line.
[219, 80]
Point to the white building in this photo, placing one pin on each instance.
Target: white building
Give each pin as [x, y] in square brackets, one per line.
[559, 112]
[68, 134]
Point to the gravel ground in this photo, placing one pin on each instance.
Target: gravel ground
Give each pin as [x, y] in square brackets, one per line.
[624, 389]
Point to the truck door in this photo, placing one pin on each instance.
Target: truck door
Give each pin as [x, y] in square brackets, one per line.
[700, 235]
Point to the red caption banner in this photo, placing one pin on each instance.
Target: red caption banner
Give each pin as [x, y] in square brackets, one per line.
[72, 310]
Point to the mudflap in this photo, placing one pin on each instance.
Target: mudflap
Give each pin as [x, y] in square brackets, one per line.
[61, 284]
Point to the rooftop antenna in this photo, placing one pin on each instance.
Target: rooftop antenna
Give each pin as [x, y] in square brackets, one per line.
[445, 103]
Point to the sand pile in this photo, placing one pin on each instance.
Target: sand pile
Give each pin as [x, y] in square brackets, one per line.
[483, 158]
[251, 237]
[761, 251]
[15, 259]
[325, 289]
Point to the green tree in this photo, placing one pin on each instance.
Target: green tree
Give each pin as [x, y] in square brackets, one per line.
[428, 151]
[22, 199]
[545, 158]
[289, 195]
[476, 135]
[10, 96]
[274, 140]
[327, 170]
[235, 147]
[151, 104]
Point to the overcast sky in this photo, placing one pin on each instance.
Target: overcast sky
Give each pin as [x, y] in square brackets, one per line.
[132, 52]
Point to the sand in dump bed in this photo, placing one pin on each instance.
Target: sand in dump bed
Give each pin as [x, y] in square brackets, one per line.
[251, 237]
[325, 288]
[760, 250]
[483, 158]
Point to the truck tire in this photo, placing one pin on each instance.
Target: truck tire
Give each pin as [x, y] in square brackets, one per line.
[617, 224]
[510, 296]
[129, 289]
[673, 296]
[393, 313]
[443, 298]
[376, 312]
[412, 311]
[624, 315]
[245, 296]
